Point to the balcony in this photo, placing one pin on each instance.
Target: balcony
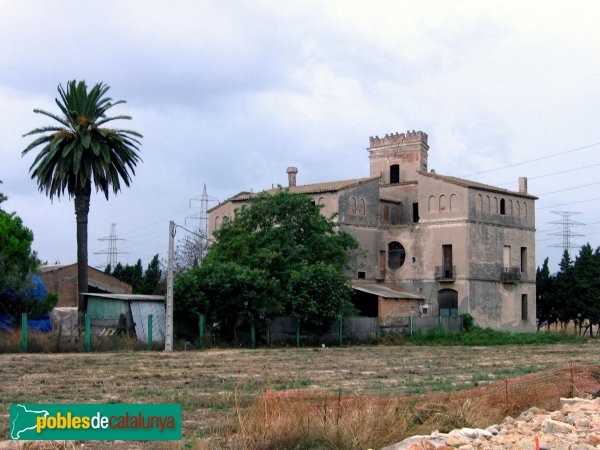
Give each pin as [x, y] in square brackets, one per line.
[445, 274]
[511, 275]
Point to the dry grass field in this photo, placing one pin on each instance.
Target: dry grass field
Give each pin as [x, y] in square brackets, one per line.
[214, 386]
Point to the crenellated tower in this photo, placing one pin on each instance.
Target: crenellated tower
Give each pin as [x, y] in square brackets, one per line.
[398, 157]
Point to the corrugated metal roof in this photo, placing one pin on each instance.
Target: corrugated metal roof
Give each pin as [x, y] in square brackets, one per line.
[386, 291]
[129, 297]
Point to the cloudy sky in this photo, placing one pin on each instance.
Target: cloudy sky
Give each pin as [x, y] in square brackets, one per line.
[229, 94]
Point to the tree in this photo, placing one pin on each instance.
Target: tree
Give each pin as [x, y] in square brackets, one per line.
[319, 295]
[269, 247]
[152, 277]
[17, 264]
[547, 311]
[190, 251]
[79, 153]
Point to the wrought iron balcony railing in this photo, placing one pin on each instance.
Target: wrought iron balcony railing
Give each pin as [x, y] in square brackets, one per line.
[511, 275]
[445, 273]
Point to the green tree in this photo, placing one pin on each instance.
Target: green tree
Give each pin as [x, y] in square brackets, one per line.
[152, 277]
[81, 152]
[266, 248]
[17, 263]
[547, 311]
[320, 294]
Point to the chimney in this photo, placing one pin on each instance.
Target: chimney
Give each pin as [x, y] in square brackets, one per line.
[292, 171]
[523, 185]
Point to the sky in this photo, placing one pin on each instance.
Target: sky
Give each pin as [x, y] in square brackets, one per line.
[229, 94]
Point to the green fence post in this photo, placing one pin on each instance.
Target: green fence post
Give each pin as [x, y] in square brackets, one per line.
[88, 334]
[410, 326]
[24, 332]
[252, 334]
[149, 331]
[201, 321]
[341, 331]
[297, 332]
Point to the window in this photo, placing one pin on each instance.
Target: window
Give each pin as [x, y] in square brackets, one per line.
[524, 259]
[453, 200]
[479, 206]
[495, 205]
[217, 222]
[362, 207]
[506, 256]
[352, 206]
[524, 307]
[394, 174]
[361, 275]
[448, 303]
[321, 201]
[396, 255]
[394, 215]
[415, 212]
[502, 206]
[447, 261]
[442, 203]
[431, 203]
[386, 213]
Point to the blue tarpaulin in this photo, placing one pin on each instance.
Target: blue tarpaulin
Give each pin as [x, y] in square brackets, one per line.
[40, 324]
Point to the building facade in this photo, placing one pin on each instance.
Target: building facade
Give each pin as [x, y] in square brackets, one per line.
[432, 245]
[61, 279]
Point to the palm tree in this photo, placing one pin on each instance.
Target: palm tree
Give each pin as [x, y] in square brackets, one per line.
[80, 152]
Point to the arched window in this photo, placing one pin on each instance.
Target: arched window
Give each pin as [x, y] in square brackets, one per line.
[510, 208]
[321, 201]
[479, 205]
[487, 203]
[431, 205]
[217, 222]
[502, 206]
[495, 205]
[442, 203]
[394, 174]
[448, 302]
[524, 210]
[518, 209]
[352, 206]
[362, 207]
[396, 255]
[453, 200]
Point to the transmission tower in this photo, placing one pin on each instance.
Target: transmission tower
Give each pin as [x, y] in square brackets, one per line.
[112, 253]
[566, 233]
[202, 217]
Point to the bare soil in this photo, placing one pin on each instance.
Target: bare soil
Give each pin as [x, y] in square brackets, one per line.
[211, 385]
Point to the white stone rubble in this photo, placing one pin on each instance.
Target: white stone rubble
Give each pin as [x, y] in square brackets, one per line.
[575, 427]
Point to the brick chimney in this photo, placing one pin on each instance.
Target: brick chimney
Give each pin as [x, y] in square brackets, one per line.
[292, 171]
[523, 185]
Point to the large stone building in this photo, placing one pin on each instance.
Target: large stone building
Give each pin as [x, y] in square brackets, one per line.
[433, 245]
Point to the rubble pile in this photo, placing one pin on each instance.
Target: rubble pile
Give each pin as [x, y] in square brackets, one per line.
[575, 427]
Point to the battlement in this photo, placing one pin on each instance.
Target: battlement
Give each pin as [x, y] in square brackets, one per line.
[410, 137]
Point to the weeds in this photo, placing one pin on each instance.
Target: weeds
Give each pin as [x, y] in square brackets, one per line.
[481, 336]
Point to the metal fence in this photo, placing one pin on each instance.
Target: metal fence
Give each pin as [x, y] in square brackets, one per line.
[409, 326]
[287, 331]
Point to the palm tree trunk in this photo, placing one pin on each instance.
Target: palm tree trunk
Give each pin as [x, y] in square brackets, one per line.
[82, 208]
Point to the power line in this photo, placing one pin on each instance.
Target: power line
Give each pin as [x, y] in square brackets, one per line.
[570, 188]
[551, 174]
[534, 159]
[570, 203]
[566, 234]
[112, 253]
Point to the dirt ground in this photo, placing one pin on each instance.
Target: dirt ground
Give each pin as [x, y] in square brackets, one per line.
[211, 383]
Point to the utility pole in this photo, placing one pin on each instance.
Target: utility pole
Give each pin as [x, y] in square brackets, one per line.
[169, 318]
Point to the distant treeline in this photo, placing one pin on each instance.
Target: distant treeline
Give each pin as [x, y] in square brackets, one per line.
[572, 294]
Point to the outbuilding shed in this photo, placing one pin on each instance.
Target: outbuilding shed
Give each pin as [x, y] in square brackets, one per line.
[112, 313]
